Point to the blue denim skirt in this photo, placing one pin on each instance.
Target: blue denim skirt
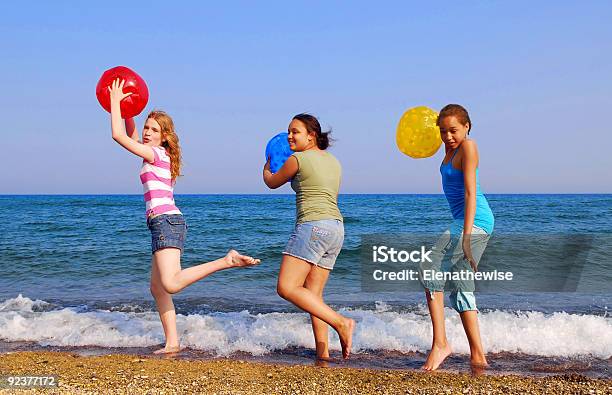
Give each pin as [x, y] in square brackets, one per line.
[317, 242]
[167, 231]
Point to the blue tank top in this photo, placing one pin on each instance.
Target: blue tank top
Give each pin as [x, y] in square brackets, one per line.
[454, 190]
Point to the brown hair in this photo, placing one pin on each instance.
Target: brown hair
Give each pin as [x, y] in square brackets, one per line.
[457, 111]
[313, 126]
[170, 141]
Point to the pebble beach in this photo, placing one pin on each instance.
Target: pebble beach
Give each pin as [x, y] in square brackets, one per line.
[135, 374]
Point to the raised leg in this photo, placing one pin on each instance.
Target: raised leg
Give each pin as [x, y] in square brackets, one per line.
[167, 278]
[174, 279]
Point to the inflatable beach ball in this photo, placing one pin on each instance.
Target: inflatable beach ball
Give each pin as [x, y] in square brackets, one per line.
[278, 151]
[417, 135]
[131, 105]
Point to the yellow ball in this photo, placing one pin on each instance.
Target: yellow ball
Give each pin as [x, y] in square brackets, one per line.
[418, 136]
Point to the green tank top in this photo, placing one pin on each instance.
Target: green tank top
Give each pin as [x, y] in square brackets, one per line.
[316, 186]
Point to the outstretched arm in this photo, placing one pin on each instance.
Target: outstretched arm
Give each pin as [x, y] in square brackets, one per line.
[118, 125]
[130, 127]
[284, 174]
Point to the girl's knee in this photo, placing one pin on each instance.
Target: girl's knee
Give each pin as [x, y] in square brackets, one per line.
[314, 288]
[283, 290]
[157, 289]
[170, 286]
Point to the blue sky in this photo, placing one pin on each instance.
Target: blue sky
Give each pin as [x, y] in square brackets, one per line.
[535, 77]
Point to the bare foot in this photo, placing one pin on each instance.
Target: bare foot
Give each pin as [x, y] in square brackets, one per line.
[234, 259]
[167, 350]
[478, 370]
[325, 361]
[478, 364]
[322, 363]
[436, 356]
[322, 351]
[346, 337]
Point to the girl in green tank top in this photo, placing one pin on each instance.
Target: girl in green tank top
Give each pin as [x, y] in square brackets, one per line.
[317, 239]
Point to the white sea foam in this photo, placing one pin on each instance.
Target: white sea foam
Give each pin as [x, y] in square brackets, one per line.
[22, 304]
[557, 334]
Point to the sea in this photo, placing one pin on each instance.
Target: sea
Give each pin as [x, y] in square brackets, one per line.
[75, 269]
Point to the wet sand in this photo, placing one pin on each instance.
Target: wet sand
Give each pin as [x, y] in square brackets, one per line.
[121, 373]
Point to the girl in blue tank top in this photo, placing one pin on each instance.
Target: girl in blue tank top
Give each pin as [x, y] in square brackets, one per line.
[462, 245]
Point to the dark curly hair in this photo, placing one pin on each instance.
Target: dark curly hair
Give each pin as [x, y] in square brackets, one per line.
[313, 126]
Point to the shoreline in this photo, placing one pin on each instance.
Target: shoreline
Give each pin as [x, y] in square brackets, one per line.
[502, 363]
[121, 373]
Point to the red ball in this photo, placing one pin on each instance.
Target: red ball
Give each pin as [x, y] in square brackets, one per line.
[131, 105]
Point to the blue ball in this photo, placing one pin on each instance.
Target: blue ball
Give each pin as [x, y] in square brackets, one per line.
[278, 151]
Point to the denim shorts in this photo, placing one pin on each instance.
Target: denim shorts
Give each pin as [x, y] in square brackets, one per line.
[167, 231]
[317, 242]
[447, 256]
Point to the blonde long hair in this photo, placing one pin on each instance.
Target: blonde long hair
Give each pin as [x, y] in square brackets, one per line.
[170, 141]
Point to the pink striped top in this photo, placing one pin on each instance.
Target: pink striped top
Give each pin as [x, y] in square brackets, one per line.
[157, 184]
